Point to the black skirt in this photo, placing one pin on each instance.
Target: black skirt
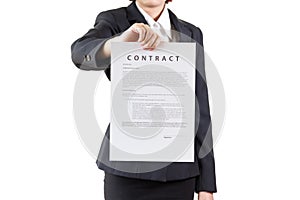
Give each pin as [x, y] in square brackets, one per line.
[125, 188]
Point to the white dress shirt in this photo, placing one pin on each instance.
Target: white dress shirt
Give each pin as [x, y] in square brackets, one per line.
[162, 26]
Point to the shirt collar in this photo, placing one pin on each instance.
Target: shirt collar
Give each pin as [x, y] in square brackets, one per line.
[163, 20]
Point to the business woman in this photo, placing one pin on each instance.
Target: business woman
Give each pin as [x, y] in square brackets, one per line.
[138, 23]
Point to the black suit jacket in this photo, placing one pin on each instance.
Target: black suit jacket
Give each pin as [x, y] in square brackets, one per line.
[86, 56]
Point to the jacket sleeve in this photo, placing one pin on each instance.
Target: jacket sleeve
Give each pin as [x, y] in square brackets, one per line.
[206, 181]
[86, 51]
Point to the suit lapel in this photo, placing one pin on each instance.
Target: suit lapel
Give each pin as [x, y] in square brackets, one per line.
[182, 32]
[134, 15]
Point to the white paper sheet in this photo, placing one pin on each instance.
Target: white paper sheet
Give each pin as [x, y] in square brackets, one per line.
[153, 102]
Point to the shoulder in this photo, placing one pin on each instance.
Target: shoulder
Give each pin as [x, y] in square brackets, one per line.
[112, 15]
[195, 31]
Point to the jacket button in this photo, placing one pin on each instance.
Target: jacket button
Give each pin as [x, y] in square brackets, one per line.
[87, 58]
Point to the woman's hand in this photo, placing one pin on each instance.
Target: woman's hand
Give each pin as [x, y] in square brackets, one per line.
[205, 196]
[143, 34]
[138, 32]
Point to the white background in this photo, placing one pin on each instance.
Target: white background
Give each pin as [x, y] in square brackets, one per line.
[254, 44]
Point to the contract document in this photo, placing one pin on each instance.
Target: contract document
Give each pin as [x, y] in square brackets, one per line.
[153, 102]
